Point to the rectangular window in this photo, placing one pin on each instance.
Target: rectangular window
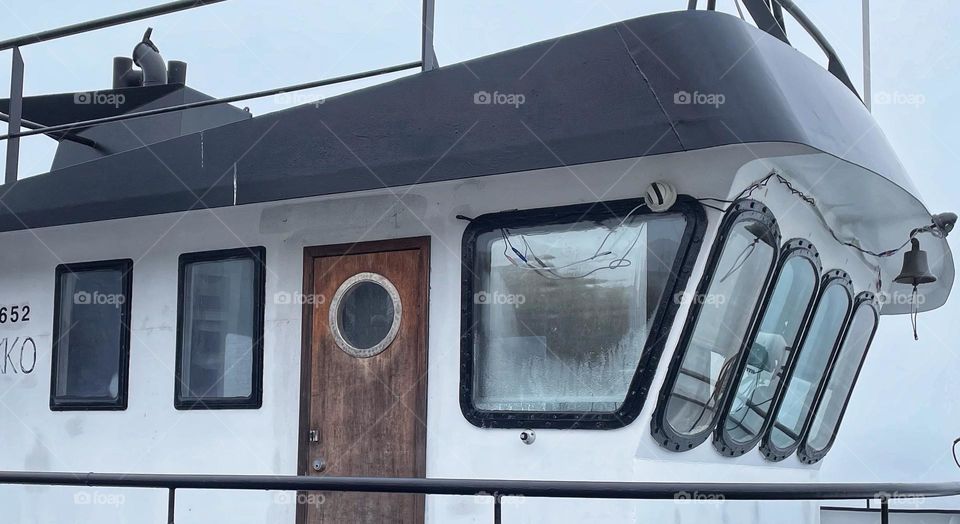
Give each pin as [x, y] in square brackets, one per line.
[220, 329]
[564, 305]
[91, 336]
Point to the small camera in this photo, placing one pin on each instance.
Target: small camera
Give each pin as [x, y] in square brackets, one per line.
[527, 436]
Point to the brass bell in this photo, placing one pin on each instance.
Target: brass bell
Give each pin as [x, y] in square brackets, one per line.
[915, 269]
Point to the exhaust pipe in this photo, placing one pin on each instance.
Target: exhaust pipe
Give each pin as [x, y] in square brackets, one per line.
[147, 56]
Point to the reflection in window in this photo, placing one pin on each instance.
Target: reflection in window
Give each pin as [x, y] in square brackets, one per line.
[725, 313]
[769, 352]
[366, 314]
[830, 408]
[812, 362]
[91, 335]
[221, 329]
[562, 312]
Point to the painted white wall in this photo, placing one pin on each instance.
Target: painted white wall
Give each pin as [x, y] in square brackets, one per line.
[151, 436]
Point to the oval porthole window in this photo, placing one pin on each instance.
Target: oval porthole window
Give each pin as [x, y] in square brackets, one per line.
[365, 315]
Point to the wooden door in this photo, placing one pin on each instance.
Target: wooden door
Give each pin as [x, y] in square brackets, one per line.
[365, 375]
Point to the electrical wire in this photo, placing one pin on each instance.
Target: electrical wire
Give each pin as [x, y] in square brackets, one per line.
[543, 269]
[749, 190]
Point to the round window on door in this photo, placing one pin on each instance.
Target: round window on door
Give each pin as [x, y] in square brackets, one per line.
[365, 315]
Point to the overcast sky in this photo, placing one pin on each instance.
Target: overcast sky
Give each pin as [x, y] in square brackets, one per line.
[902, 419]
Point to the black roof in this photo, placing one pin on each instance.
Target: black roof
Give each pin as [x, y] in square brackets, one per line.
[603, 94]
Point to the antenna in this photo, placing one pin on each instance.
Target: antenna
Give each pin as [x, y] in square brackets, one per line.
[867, 87]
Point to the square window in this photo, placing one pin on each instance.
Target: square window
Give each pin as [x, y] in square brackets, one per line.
[91, 336]
[565, 310]
[220, 329]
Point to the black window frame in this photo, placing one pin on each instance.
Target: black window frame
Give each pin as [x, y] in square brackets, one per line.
[687, 254]
[834, 277]
[65, 403]
[797, 247]
[255, 399]
[739, 211]
[805, 453]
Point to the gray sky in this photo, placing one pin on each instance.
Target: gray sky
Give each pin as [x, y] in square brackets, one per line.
[900, 423]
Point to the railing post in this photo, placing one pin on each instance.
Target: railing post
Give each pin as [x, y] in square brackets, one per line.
[16, 113]
[428, 56]
[171, 504]
[497, 516]
[884, 511]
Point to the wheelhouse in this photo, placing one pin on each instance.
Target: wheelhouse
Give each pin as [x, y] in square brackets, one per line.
[628, 282]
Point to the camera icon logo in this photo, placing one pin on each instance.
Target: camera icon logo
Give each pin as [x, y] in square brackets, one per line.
[282, 298]
[82, 298]
[81, 497]
[82, 98]
[482, 98]
[682, 98]
[481, 297]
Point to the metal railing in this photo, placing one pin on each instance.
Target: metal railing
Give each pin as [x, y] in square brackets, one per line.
[497, 489]
[67, 131]
[768, 15]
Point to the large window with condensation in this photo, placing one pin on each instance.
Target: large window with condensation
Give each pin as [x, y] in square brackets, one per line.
[91, 335]
[811, 364]
[843, 375]
[771, 349]
[722, 312]
[563, 308]
[220, 329]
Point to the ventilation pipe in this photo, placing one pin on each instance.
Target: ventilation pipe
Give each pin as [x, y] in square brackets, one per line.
[176, 72]
[147, 56]
[124, 75]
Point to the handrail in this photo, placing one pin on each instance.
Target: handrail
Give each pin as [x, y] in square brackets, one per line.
[496, 489]
[769, 18]
[72, 126]
[108, 21]
[490, 487]
[834, 65]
